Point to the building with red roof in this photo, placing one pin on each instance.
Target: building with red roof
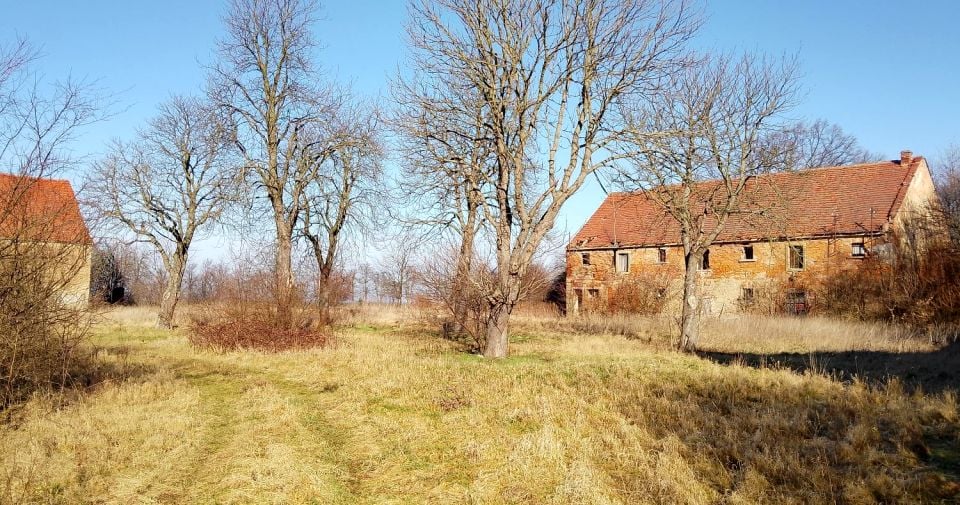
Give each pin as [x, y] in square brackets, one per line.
[794, 223]
[41, 217]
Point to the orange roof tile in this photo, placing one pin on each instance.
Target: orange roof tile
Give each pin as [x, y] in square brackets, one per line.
[845, 200]
[40, 210]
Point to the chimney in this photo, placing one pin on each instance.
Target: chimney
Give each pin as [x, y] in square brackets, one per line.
[905, 158]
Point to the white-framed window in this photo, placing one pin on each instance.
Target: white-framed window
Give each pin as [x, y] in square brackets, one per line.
[858, 250]
[661, 255]
[585, 259]
[705, 260]
[623, 262]
[795, 259]
[748, 253]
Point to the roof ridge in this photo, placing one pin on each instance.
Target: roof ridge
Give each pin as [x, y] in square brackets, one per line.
[36, 178]
[776, 174]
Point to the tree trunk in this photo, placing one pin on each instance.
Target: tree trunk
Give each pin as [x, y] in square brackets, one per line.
[459, 293]
[497, 331]
[284, 277]
[323, 297]
[690, 315]
[171, 293]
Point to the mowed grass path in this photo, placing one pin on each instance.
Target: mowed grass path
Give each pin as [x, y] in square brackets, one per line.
[390, 415]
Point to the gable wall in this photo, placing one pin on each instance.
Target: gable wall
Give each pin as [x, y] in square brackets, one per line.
[918, 212]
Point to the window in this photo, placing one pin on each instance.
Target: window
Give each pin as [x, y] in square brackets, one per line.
[795, 259]
[661, 255]
[748, 253]
[705, 260]
[857, 250]
[796, 302]
[594, 293]
[585, 259]
[623, 262]
[746, 296]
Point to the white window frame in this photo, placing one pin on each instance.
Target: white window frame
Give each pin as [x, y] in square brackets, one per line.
[626, 265]
[863, 249]
[753, 250]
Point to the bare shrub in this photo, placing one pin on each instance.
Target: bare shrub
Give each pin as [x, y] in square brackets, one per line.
[42, 345]
[457, 308]
[230, 327]
[905, 288]
[241, 312]
[642, 294]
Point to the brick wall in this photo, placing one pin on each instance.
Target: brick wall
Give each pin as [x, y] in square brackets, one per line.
[722, 284]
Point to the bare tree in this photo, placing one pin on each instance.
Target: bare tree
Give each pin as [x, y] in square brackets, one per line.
[363, 278]
[947, 178]
[346, 191]
[396, 270]
[548, 77]
[817, 144]
[447, 158]
[702, 169]
[165, 186]
[266, 82]
[43, 243]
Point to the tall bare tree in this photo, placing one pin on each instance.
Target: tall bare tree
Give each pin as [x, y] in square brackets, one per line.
[715, 117]
[548, 75]
[266, 82]
[447, 158]
[165, 186]
[345, 190]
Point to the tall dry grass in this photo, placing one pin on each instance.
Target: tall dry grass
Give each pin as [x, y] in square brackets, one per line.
[748, 333]
[395, 415]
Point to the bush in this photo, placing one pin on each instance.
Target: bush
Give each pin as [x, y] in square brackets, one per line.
[255, 327]
[898, 283]
[642, 294]
[902, 288]
[41, 348]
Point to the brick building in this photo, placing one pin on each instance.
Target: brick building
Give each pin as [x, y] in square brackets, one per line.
[815, 220]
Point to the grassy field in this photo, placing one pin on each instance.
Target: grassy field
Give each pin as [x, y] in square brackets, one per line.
[590, 411]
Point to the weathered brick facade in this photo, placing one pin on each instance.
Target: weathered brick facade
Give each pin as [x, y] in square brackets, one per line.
[733, 278]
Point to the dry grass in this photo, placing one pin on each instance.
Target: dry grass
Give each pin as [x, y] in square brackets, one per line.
[750, 333]
[392, 415]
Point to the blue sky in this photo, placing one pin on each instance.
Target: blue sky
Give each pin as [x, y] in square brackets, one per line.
[885, 71]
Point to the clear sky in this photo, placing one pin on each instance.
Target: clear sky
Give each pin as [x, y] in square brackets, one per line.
[886, 72]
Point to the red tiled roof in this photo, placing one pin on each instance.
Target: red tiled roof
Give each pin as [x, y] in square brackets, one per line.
[41, 210]
[852, 199]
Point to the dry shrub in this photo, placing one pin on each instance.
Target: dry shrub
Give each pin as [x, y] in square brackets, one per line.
[230, 327]
[454, 305]
[907, 288]
[641, 294]
[41, 348]
[43, 324]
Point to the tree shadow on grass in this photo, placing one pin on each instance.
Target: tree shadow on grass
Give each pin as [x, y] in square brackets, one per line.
[932, 372]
